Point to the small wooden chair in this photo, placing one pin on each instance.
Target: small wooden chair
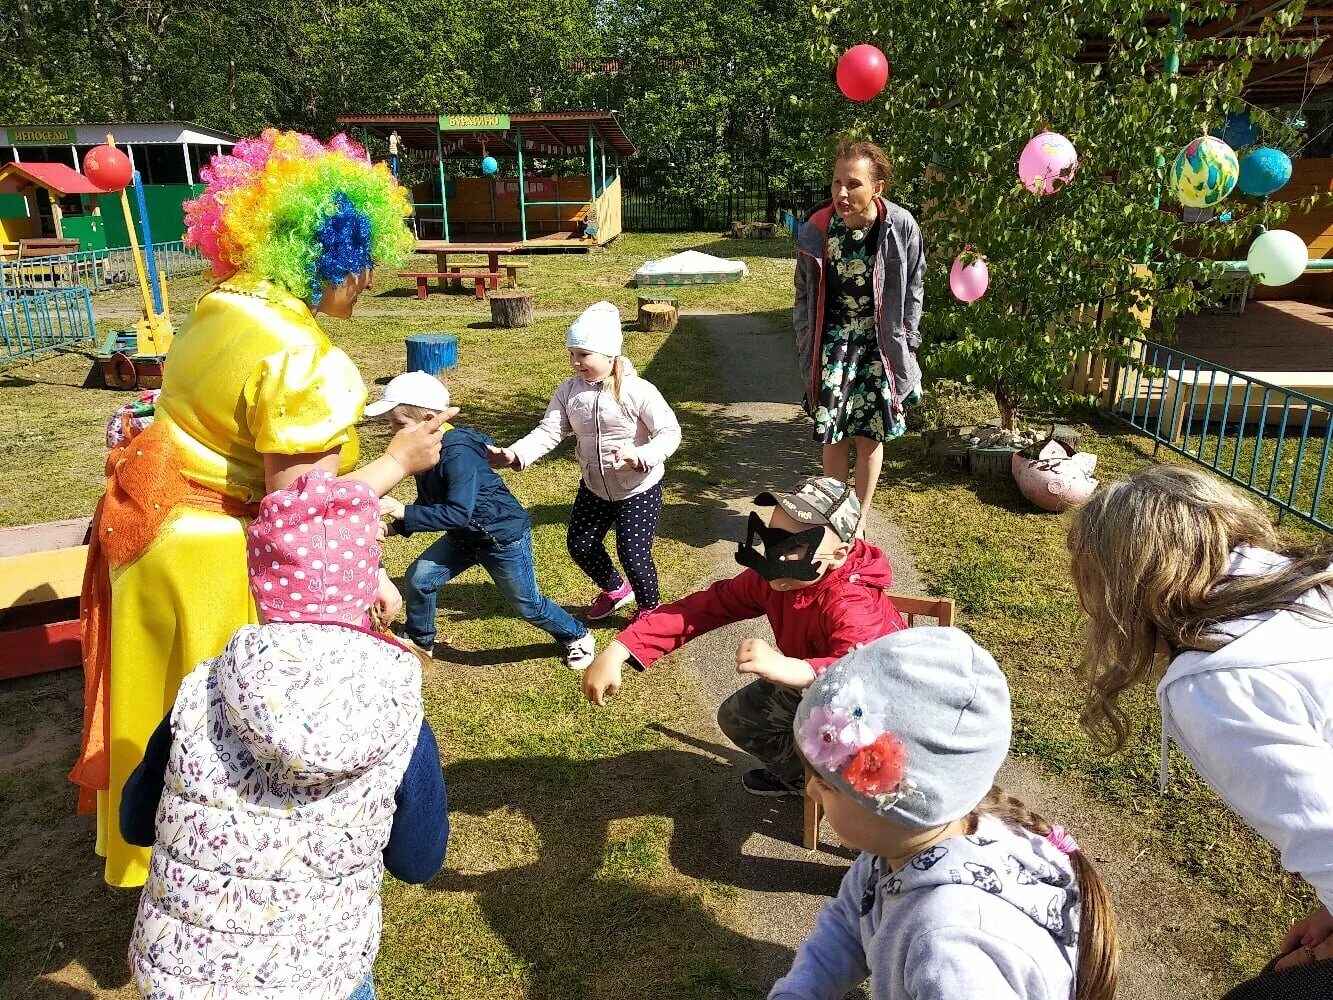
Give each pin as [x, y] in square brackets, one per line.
[911, 608]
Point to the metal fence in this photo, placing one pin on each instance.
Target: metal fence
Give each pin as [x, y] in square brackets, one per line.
[1273, 441]
[35, 322]
[649, 205]
[96, 270]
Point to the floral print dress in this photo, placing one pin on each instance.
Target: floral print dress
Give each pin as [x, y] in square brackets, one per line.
[854, 393]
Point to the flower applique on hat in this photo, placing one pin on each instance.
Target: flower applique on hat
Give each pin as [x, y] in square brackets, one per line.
[849, 737]
[913, 725]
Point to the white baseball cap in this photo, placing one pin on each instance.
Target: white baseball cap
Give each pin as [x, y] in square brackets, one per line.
[413, 389]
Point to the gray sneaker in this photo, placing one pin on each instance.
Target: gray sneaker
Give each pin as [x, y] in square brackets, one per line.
[579, 653]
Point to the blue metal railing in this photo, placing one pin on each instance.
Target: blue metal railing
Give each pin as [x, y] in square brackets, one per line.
[1273, 441]
[36, 322]
[96, 270]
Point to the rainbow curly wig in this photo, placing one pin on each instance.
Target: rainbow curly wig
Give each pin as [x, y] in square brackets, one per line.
[288, 208]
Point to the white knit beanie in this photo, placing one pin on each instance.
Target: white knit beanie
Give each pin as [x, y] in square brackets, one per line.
[597, 329]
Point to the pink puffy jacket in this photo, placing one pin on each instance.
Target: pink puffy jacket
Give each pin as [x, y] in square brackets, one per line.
[600, 425]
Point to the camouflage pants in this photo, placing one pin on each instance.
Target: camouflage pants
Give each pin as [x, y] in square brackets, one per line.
[758, 718]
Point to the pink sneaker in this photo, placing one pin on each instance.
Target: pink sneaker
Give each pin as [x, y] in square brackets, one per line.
[608, 601]
[640, 615]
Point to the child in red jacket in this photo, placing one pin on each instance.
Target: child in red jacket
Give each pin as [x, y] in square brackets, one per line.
[824, 592]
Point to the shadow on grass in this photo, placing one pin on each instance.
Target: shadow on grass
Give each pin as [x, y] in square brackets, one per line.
[597, 889]
[500, 656]
[905, 465]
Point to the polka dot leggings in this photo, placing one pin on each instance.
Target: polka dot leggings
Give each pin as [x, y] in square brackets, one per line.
[635, 520]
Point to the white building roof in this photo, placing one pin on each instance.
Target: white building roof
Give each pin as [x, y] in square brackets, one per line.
[138, 133]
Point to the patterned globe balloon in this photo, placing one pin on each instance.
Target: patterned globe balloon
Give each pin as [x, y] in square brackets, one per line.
[1264, 170]
[1204, 173]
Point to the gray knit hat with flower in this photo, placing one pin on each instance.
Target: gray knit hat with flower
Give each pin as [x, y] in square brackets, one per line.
[913, 726]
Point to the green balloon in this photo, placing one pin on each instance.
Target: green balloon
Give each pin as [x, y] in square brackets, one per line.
[1277, 257]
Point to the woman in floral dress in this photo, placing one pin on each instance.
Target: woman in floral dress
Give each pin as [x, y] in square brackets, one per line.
[859, 271]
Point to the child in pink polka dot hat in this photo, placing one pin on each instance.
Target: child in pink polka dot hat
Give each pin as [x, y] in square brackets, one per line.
[313, 551]
[300, 764]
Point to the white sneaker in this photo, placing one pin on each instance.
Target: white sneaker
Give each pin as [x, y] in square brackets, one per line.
[579, 653]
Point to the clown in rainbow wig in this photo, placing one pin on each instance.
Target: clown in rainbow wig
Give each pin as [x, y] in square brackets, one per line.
[254, 395]
[301, 214]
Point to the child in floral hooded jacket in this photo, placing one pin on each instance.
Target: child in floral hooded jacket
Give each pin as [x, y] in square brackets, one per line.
[294, 768]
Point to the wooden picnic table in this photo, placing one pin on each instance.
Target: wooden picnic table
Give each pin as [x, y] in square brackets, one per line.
[492, 251]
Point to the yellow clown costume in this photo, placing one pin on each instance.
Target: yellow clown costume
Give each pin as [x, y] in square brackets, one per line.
[251, 374]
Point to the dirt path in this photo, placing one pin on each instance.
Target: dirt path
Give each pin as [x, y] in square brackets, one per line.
[1161, 917]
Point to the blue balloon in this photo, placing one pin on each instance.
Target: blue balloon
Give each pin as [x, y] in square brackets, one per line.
[1264, 170]
[1239, 130]
[488, 165]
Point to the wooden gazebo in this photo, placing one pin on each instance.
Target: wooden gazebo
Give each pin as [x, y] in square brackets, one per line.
[571, 210]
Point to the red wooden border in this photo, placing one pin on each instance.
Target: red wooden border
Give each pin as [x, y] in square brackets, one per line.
[39, 649]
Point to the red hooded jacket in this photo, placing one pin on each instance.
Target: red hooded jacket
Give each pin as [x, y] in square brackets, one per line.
[819, 624]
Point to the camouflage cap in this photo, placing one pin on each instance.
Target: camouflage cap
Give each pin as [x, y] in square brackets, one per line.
[819, 500]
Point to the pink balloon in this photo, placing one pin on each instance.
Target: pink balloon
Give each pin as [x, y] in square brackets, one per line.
[863, 72]
[969, 282]
[1047, 163]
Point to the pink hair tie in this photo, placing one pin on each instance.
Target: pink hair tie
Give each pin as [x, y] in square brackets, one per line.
[1062, 840]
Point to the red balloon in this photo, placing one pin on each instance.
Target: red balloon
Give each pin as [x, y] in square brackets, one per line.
[108, 168]
[862, 72]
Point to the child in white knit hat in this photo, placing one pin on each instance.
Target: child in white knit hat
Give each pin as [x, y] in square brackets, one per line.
[960, 890]
[625, 432]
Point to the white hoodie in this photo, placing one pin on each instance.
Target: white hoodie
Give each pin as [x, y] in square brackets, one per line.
[988, 916]
[1255, 718]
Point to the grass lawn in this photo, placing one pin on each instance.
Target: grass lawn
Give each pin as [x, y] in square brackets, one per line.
[577, 856]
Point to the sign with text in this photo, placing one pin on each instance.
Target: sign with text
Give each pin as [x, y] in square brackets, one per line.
[35, 136]
[474, 123]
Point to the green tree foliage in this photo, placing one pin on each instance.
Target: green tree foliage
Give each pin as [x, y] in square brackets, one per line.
[708, 87]
[244, 64]
[705, 87]
[971, 84]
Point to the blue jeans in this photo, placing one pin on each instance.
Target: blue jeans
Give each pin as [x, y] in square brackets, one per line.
[366, 991]
[510, 566]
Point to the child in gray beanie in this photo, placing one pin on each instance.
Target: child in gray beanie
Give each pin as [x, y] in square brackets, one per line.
[960, 891]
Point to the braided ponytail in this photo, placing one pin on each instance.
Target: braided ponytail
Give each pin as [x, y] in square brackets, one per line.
[1098, 948]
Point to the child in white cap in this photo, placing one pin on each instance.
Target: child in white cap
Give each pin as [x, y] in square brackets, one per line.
[480, 522]
[625, 432]
[961, 891]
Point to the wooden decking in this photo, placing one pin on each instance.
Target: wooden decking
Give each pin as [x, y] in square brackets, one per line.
[1280, 336]
[1284, 343]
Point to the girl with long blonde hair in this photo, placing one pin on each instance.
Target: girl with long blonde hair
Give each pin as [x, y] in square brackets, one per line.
[1187, 584]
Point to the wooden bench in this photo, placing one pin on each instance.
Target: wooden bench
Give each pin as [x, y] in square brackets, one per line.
[939, 608]
[47, 247]
[51, 271]
[510, 269]
[480, 279]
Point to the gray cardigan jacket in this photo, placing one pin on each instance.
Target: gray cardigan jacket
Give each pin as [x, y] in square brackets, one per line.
[900, 268]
